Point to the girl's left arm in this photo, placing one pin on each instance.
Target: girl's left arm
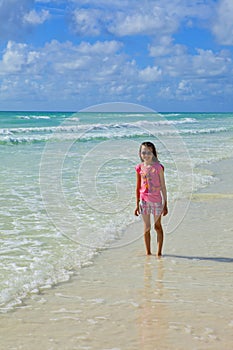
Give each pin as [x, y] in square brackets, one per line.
[138, 185]
[164, 191]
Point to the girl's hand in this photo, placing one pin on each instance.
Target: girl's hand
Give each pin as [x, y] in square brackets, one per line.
[137, 211]
[165, 210]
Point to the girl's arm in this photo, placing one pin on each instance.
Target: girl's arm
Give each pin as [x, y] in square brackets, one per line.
[138, 185]
[164, 191]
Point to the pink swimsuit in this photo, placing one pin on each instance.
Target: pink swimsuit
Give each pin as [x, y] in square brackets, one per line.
[150, 190]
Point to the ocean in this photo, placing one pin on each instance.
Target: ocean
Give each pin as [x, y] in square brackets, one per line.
[68, 185]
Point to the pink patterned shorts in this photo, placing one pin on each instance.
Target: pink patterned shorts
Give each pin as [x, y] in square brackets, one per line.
[150, 208]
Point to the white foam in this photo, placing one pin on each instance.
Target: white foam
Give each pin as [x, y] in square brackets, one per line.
[36, 117]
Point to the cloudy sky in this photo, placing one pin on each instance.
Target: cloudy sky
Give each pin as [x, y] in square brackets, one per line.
[169, 55]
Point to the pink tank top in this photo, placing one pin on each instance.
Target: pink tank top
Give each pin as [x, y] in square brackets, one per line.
[150, 190]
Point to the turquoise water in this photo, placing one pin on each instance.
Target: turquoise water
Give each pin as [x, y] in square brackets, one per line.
[68, 184]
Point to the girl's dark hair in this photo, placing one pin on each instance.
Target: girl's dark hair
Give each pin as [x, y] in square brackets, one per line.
[152, 147]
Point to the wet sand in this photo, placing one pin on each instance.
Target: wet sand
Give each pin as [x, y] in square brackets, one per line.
[126, 300]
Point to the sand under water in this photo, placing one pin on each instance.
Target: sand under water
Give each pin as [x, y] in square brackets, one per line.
[126, 300]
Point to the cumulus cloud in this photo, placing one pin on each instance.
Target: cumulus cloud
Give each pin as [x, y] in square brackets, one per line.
[63, 70]
[84, 59]
[16, 58]
[150, 74]
[66, 72]
[11, 15]
[143, 18]
[209, 64]
[204, 64]
[142, 23]
[184, 87]
[35, 18]
[105, 69]
[17, 17]
[139, 19]
[87, 22]
[187, 77]
[165, 46]
[223, 24]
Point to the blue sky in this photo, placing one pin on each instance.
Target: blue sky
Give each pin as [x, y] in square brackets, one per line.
[68, 55]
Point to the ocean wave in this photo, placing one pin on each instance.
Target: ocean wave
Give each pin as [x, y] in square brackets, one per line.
[77, 127]
[206, 131]
[134, 115]
[87, 132]
[36, 117]
[171, 114]
[75, 119]
[168, 122]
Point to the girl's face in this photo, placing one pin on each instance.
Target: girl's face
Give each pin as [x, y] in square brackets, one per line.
[146, 154]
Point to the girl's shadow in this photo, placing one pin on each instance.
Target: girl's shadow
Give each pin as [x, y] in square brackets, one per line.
[205, 258]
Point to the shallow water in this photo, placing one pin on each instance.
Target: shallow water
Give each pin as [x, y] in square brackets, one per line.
[67, 185]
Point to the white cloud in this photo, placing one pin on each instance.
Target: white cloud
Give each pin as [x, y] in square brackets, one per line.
[62, 70]
[11, 15]
[17, 18]
[150, 74]
[108, 69]
[210, 64]
[68, 72]
[204, 64]
[165, 46]
[143, 18]
[184, 87]
[223, 23]
[35, 18]
[14, 58]
[85, 57]
[87, 22]
[143, 22]
[100, 47]
[182, 90]
[140, 19]
[187, 77]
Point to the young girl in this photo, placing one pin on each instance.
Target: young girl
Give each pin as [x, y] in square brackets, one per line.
[150, 185]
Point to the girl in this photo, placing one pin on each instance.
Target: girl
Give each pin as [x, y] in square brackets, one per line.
[150, 184]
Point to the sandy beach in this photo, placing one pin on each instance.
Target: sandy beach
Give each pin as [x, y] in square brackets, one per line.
[126, 300]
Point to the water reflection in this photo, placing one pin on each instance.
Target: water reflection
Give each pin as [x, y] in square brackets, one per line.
[153, 312]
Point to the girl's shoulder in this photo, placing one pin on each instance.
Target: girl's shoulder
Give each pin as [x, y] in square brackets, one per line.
[158, 166]
[138, 167]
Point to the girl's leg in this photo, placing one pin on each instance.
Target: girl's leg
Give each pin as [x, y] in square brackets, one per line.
[146, 220]
[159, 230]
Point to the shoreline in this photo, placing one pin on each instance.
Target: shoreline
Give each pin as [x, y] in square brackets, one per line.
[126, 300]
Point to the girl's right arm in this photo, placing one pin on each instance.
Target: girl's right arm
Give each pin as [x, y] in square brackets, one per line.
[164, 192]
[138, 185]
